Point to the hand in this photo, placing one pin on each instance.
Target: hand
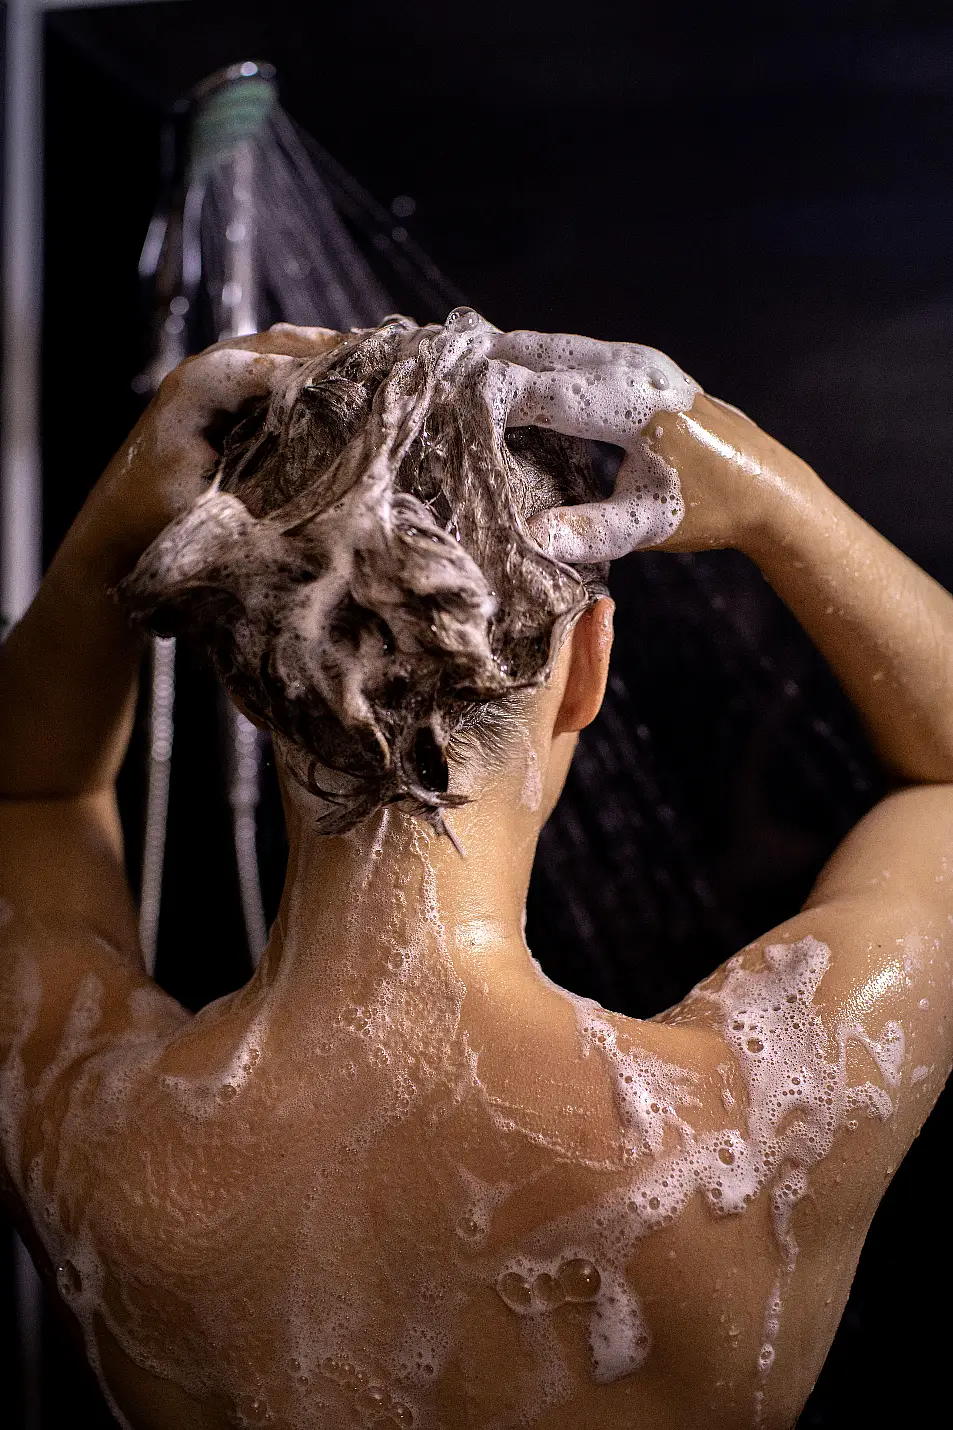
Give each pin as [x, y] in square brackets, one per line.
[731, 473]
[602, 391]
[695, 473]
[166, 463]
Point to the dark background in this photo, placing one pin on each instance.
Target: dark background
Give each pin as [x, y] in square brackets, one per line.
[762, 191]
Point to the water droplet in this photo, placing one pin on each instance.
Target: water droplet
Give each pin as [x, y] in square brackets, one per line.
[337, 1368]
[253, 1409]
[373, 1397]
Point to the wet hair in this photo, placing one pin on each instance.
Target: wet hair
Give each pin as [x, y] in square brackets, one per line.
[361, 570]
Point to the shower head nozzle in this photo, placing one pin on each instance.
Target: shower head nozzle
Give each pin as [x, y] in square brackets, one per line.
[232, 105]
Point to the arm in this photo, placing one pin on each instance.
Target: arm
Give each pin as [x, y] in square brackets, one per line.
[885, 628]
[884, 901]
[68, 670]
[698, 474]
[68, 676]
[68, 928]
[883, 904]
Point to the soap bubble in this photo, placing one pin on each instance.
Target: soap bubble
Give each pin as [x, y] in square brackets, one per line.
[516, 1291]
[579, 1279]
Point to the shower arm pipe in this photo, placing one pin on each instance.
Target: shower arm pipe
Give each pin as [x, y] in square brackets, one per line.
[237, 319]
[21, 537]
[244, 740]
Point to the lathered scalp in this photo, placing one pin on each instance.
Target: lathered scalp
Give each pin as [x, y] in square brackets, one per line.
[363, 569]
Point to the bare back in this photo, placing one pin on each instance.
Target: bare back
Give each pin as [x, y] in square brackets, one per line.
[427, 1207]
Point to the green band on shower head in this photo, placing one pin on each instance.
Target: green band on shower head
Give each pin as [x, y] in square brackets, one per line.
[230, 107]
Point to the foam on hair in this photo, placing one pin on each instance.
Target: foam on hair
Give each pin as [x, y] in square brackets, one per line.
[361, 569]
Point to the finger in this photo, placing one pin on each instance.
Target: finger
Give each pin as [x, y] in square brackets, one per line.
[221, 380]
[542, 352]
[546, 352]
[600, 404]
[599, 532]
[289, 339]
[645, 509]
[585, 535]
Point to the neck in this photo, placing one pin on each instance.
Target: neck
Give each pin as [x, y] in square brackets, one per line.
[394, 898]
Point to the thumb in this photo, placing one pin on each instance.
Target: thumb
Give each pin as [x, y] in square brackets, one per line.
[586, 535]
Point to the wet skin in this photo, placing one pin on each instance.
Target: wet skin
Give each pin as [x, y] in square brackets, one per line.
[282, 1210]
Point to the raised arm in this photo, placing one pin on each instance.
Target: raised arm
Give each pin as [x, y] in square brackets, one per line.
[884, 626]
[68, 676]
[68, 670]
[698, 474]
[884, 902]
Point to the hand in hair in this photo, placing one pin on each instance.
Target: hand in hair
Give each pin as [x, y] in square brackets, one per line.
[166, 462]
[68, 671]
[606, 392]
[362, 575]
[696, 475]
[727, 476]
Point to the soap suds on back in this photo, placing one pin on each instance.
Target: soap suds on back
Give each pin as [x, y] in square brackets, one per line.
[333, 1335]
[798, 1099]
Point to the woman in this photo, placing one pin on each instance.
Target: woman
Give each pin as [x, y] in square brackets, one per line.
[400, 1178]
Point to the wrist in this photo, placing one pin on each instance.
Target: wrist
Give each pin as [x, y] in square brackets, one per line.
[791, 505]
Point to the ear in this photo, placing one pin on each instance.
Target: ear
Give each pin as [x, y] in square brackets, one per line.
[591, 644]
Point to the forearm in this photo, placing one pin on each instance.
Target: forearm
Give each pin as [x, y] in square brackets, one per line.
[68, 676]
[68, 671]
[884, 626]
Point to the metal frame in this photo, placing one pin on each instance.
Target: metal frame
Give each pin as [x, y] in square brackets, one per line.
[21, 477]
[20, 474]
